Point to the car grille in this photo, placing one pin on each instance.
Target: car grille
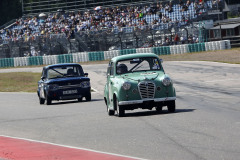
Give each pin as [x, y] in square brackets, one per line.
[146, 89]
[70, 86]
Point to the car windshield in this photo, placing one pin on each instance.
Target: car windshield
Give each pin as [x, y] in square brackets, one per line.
[138, 64]
[64, 71]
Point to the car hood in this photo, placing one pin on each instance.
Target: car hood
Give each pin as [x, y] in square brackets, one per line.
[140, 76]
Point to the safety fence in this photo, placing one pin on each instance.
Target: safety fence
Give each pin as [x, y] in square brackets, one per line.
[105, 55]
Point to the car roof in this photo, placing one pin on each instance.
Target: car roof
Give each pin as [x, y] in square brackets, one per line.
[62, 64]
[135, 55]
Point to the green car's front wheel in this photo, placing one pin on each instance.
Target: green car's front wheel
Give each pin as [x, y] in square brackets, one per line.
[110, 112]
[171, 106]
[119, 109]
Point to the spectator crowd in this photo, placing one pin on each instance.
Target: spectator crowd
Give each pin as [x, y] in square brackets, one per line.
[115, 18]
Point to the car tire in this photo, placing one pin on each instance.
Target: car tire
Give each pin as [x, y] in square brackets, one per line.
[49, 101]
[41, 100]
[89, 97]
[80, 99]
[119, 109]
[110, 112]
[171, 106]
[159, 109]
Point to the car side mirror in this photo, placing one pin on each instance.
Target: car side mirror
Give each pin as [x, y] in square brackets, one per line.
[86, 74]
[43, 78]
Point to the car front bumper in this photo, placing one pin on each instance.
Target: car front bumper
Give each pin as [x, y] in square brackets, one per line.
[59, 94]
[122, 103]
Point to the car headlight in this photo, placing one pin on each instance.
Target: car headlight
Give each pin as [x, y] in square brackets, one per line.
[53, 87]
[167, 81]
[126, 86]
[85, 84]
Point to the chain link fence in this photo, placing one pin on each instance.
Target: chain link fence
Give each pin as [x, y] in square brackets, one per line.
[102, 40]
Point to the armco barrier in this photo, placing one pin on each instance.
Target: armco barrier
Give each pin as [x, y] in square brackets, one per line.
[36, 60]
[75, 58]
[83, 57]
[222, 45]
[207, 47]
[173, 49]
[227, 44]
[144, 50]
[64, 58]
[17, 62]
[6, 62]
[96, 56]
[80, 57]
[127, 51]
[46, 60]
[164, 50]
[99, 56]
[110, 54]
[184, 48]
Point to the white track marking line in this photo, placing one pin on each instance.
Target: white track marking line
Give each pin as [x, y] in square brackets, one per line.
[94, 89]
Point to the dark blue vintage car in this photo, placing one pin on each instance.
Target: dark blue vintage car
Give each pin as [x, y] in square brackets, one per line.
[63, 82]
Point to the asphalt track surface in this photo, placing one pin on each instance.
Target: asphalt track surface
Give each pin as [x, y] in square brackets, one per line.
[206, 124]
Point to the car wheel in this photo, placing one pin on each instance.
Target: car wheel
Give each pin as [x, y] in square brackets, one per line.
[110, 112]
[120, 110]
[171, 106]
[80, 99]
[41, 100]
[89, 97]
[49, 101]
[159, 108]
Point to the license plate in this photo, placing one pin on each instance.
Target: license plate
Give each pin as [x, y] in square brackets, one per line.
[70, 92]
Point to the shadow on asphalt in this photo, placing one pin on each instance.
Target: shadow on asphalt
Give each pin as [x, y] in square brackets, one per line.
[153, 112]
[73, 101]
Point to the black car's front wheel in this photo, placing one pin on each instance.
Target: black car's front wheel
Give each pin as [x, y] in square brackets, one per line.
[41, 100]
[49, 101]
[89, 97]
[80, 99]
[159, 108]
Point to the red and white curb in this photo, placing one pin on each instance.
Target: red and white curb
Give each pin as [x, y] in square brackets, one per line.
[13, 148]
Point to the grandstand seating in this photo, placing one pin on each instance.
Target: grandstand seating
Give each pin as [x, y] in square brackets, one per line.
[33, 27]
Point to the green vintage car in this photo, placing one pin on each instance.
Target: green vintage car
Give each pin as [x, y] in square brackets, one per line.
[138, 81]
